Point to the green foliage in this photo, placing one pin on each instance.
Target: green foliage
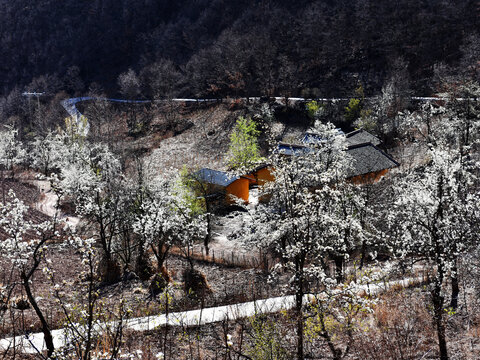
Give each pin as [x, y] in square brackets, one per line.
[354, 110]
[189, 194]
[359, 92]
[314, 108]
[244, 151]
[331, 319]
[266, 341]
[334, 319]
[366, 121]
[450, 311]
[76, 129]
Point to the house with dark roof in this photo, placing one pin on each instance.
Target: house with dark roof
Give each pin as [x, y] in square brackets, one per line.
[219, 182]
[361, 136]
[369, 163]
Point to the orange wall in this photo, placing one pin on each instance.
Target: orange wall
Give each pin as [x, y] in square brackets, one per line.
[238, 188]
[369, 178]
[264, 175]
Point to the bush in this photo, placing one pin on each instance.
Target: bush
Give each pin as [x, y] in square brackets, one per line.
[143, 267]
[109, 271]
[195, 283]
[159, 281]
[402, 329]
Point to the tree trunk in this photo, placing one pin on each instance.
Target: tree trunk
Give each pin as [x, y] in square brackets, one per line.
[455, 288]
[47, 335]
[363, 254]
[92, 297]
[438, 300]
[299, 313]
[3, 187]
[338, 268]
[206, 240]
[337, 354]
[160, 253]
[299, 307]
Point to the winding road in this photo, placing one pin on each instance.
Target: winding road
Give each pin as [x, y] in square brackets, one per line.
[70, 104]
[33, 343]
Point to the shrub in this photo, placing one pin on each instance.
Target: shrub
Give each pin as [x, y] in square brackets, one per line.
[143, 267]
[195, 283]
[109, 271]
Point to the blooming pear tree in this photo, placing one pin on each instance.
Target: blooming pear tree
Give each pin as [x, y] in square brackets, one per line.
[435, 219]
[152, 223]
[307, 220]
[26, 243]
[436, 213]
[81, 321]
[47, 152]
[94, 181]
[12, 151]
[166, 219]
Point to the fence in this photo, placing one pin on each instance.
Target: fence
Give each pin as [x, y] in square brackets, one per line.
[254, 260]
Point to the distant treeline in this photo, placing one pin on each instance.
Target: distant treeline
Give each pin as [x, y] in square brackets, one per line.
[233, 48]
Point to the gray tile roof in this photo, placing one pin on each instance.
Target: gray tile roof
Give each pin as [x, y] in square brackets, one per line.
[215, 177]
[361, 137]
[368, 158]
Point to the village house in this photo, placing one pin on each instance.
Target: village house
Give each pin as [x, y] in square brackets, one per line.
[370, 163]
[361, 136]
[228, 186]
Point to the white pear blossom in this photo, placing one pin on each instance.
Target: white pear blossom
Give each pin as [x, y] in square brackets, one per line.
[166, 219]
[312, 215]
[12, 151]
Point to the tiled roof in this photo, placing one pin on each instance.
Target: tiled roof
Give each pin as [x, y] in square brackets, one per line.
[368, 158]
[215, 177]
[291, 149]
[361, 137]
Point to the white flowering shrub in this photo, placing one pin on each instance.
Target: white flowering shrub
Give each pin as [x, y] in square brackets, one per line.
[166, 219]
[12, 151]
[436, 212]
[91, 176]
[47, 152]
[26, 243]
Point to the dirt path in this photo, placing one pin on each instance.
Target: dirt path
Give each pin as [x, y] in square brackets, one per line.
[47, 203]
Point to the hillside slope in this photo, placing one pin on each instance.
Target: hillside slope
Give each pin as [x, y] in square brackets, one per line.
[223, 48]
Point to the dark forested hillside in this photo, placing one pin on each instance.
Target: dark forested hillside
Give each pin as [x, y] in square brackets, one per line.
[220, 47]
